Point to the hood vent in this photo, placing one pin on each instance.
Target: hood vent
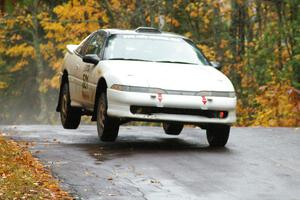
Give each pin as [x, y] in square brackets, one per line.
[147, 30]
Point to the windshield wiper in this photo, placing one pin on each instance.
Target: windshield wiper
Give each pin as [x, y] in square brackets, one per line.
[133, 59]
[179, 62]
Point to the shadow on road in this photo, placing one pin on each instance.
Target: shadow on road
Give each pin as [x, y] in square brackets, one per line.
[159, 146]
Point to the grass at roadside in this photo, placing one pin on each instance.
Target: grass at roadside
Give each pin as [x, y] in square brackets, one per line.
[23, 176]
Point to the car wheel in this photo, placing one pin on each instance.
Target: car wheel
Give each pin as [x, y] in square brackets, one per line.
[107, 127]
[70, 116]
[217, 135]
[172, 128]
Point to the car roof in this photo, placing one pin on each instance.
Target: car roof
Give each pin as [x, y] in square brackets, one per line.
[144, 31]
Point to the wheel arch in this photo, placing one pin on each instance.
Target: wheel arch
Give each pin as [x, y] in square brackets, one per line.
[64, 79]
[101, 87]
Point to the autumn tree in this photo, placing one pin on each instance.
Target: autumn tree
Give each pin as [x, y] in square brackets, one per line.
[22, 40]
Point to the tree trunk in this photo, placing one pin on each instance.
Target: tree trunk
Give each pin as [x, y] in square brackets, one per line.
[217, 32]
[42, 116]
[280, 27]
[110, 13]
[237, 27]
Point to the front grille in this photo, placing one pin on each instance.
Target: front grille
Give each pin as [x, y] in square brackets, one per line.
[178, 111]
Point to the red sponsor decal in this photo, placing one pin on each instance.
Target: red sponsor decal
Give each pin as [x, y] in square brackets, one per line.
[204, 100]
[159, 97]
[222, 114]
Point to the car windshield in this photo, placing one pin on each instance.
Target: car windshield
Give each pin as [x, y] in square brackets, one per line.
[153, 49]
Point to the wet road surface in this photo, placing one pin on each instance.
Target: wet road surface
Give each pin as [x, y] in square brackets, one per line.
[144, 163]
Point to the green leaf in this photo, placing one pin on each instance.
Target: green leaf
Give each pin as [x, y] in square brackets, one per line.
[9, 7]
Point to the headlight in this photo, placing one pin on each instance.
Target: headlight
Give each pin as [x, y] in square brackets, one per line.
[128, 88]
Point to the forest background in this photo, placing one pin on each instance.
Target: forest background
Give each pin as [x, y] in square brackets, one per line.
[257, 43]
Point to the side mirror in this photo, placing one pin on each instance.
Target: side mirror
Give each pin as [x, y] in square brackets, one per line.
[91, 58]
[215, 64]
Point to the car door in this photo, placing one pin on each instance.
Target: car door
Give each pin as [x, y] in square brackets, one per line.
[75, 72]
[95, 71]
[94, 46]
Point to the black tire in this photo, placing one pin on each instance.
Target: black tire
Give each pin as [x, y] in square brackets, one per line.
[70, 116]
[172, 128]
[217, 135]
[107, 127]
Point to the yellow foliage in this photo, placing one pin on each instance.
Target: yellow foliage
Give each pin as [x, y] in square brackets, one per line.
[105, 19]
[16, 37]
[148, 19]
[172, 21]
[240, 1]
[228, 54]
[285, 55]
[23, 50]
[225, 10]
[54, 83]
[116, 4]
[188, 34]
[208, 51]
[10, 23]
[77, 19]
[206, 20]
[224, 43]
[194, 14]
[216, 4]
[23, 176]
[19, 65]
[57, 65]
[277, 106]
[44, 86]
[3, 85]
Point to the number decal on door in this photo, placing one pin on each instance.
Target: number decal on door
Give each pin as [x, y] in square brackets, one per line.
[85, 85]
[85, 80]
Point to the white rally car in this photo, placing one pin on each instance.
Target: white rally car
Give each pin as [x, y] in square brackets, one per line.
[117, 76]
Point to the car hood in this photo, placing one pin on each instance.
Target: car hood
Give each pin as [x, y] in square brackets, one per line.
[169, 76]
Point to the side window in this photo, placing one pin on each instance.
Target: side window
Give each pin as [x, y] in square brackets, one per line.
[95, 45]
[81, 49]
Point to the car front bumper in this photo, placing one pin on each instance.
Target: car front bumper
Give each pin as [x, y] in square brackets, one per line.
[120, 104]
